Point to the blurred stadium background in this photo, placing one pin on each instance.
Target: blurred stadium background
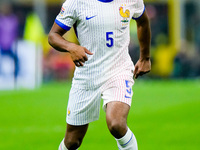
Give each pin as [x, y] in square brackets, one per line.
[35, 79]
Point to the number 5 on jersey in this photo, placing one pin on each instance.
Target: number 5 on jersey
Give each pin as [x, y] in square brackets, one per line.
[109, 39]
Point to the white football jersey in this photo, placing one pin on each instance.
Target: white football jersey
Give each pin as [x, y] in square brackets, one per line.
[102, 26]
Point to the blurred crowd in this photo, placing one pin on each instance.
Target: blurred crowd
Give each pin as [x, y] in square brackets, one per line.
[9, 28]
[22, 22]
[168, 60]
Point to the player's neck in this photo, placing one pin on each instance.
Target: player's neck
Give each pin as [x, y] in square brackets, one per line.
[105, 1]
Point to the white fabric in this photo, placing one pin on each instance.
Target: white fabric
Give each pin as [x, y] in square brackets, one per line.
[84, 105]
[103, 30]
[127, 142]
[62, 146]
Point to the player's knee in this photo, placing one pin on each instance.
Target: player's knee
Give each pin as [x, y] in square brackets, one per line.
[72, 144]
[117, 127]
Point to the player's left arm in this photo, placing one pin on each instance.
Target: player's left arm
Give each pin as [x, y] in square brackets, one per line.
[143, 65]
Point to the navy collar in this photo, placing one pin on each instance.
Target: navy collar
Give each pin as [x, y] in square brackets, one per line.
[105, 1]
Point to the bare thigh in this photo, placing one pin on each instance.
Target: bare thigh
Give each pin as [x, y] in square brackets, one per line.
[116, 118]
[74, 136]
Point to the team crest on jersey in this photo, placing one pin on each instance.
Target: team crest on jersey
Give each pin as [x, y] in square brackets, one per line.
[62, 11]
[125, 14]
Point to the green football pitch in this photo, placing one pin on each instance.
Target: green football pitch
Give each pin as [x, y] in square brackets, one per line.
[165, 115]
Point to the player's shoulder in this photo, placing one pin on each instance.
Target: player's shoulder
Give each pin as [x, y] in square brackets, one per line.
[136, 1]
[70, 2]
[140, 1]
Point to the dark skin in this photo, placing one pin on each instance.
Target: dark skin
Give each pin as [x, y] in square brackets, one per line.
[116, 112]
[78, 53]
[143, 65]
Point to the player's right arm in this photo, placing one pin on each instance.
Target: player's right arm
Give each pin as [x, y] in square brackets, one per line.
[56, 40]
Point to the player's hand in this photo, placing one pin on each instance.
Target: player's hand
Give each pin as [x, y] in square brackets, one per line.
[78, 55]
[142, 66]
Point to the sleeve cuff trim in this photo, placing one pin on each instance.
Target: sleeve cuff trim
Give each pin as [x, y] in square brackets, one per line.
[140, 15]
[62, 25]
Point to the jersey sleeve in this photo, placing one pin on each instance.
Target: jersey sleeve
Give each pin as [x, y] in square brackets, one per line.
[67, 16]
[139, 9]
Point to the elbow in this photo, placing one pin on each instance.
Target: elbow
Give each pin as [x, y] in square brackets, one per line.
[51, 39]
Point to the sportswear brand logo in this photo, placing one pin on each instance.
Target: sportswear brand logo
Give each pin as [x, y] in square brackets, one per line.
[88, 18]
